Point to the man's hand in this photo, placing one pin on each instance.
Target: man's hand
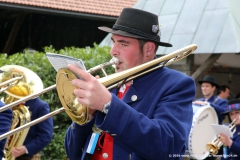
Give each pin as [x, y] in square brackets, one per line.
[90, 92]
[202, 103]
[18, 151]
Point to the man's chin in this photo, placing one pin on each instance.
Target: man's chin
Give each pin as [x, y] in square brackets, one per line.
[117, 69]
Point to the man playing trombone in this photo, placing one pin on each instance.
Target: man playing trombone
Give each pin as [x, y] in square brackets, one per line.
[148, 117]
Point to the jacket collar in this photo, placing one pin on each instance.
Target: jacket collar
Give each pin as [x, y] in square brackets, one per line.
[212, 99]
[131, 95]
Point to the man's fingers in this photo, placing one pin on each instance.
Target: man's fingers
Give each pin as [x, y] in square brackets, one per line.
[81, 73]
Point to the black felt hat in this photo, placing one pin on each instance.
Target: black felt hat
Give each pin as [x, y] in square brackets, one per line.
[233, 105]
[209, 79]
[138, 24]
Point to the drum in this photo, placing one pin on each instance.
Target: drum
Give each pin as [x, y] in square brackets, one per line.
[201, 132]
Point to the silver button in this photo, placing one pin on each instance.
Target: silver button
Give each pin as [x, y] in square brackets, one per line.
[105, 155]
[134, 98]
[72, 127]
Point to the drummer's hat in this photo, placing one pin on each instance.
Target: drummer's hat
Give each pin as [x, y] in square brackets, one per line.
[137, 24]
[209, 79]
[233, 105]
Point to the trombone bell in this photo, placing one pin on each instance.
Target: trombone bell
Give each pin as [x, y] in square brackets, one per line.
[77, 112]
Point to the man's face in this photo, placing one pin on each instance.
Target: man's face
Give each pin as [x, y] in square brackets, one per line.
[128, 52]
[225, 94]
[235, 115]
[207, 89]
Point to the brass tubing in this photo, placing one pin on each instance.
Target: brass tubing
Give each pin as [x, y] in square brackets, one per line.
[7, 84]
[15, 103]
[111, 80]
[36, 121]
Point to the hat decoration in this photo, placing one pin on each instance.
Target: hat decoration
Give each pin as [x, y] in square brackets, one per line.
[155, 28]
[233, 105]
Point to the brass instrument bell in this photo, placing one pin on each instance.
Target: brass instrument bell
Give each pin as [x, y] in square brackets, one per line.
[216, 144]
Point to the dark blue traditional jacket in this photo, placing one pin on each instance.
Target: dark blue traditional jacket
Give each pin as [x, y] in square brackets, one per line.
[40, 134]
[151, 122]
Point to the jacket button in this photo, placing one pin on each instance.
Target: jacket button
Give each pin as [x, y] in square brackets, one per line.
[134, 97]
[105, 155]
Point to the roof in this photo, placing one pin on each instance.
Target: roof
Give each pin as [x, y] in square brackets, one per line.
[98, 7]
[213, 25]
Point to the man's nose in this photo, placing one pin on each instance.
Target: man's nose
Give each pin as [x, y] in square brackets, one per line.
[114, 51]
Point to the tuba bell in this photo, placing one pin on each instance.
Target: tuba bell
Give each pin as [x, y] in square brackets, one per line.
[18, 82]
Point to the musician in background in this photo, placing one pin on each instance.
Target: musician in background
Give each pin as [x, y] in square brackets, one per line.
[223, 91]
[147, 118]
[5, 124]
[39, 135]
[232, 144]
[208, 87]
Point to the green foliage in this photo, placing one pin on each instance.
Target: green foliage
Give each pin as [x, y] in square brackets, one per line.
[38, 63]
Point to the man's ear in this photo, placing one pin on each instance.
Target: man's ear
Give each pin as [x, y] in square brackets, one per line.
[215, 88]
[150, 48]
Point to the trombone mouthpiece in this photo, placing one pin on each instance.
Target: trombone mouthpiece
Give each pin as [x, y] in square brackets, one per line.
[114, 61]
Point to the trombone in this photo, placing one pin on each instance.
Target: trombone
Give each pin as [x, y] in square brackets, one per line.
[79, 113]
[216, 144]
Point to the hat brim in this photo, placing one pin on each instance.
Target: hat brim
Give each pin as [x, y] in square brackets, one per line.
[230, 111]
[127, 34]
[215, 84]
